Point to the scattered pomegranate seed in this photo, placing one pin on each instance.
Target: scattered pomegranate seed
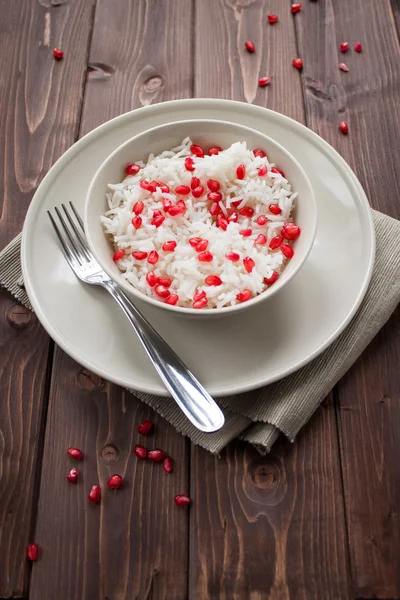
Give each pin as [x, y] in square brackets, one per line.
[158, 220]
[296, 7]
[250, 47]
[161, 291]
[138, 207]
[75, 452]
[198, 295]
[222, 223]
[153, 257]
[140, 451]
[72, 475]
[169, 246]
[174, 211]
[290, 231]
[194, 183]
[114, 482]
[214, 209]
[246, 211]
[189, 166]
[145, 428]
[151, 278]
[298, 63]
[94, 494]
[259, 153]
[213, 185]
[287, 250]
[236, 203]
[144, 185]
[249, 264]
[205, 257]
[165, 281]
[262, 171]
[201, 246]
[156, 455]
[233, 218]
[244, 296]
[181, 204]
[182, 500]
[164, 188]
[214, 196]
[272, 19]
[58, 54]
[156, 213]
[32, 551]
[198, 192]
[246, 232]
[201, 303]
[343, 67]
[139, 255]
[241, 172]
[153, 186]
[132, 169]
[260, 240]
[233, 256]
[213, 280]
[166, 204]
[262, 220]
[182, 190]
[358, 47]
[167, 465]
[276, 170]
[194, 241]
[344, 46]
[275, 242]
[172, 299]
[344, 128]
[214, 150]
[274, 209]
[197, 151]
[272, 279]
[263, 81]
[117, 256]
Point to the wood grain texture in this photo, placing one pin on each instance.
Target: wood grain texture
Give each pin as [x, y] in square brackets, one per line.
[40, 106]
[367, 97]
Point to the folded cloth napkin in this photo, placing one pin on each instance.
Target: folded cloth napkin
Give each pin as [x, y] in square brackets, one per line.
[285, 406]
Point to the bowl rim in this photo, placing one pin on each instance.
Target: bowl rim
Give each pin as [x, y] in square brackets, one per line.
[188, 311]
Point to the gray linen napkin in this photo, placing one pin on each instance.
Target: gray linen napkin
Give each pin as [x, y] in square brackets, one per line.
[260, 416]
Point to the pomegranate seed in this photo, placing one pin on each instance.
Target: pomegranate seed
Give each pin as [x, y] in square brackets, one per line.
[166, 204]
[182, 190]
[241, 172]
[201, 246]
[75, 453]
[275, 242]
[358, 47]
[287, 250]
[169, 246]
[233, 256]
[132, 169]
[137, 222]
[153, 186]
[114, 482]
[198, 295]
[32, 551]
[250, 47]
[72, 475]
[174, 211]
[249, 264]
[344, 128]
[222, 223]
[118, 255]
[189, 166]
[145, 427]
[274, 209]
[298, 63]
[156, 455]
[276, 170]
[214, 196]
[233, 218]
[290, 231]
[138, 207]
[272, 279]
[140, 451]
[172, 299]
[244, 296]
[262, 171]
[182, 500]
[94, 494]
[260, 240]
[259, 153]
[343, 67]
[213, 280]
[214, 209]
[246, 232]
[198, 192]
[205, 257]
[262, 220]
[161, 291]
[272, 19]
[156, 213]
[165, 281]
[194, 183]
[202, 303]
[181, 204]
[139, 255]
[194, 241]
[344, 46]
[153, 257]
[197, 151]
[296, 7]
[236, 203]
[214, 150]
[164, 188]
[246, 211]
[144, 185]
[167, 465]
[58, 54]
[213, 185]
[264, 81]
[151, 278]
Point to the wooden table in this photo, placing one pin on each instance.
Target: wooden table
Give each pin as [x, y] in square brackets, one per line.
[317, 519]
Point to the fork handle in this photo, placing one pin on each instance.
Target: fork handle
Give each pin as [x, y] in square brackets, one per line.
[183, 386]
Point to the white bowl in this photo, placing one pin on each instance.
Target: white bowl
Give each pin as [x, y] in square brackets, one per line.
[205, 133]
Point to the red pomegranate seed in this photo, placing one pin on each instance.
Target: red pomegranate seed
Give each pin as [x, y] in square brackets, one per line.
[181, 204]
[138, 207]
[344, 128]
[358, 47]
[213, 185]
[241, 172]
[198, 295]
[250, 47]
[182, 190]
[176, 210]
[165, 281]
[290, 231]
[213, 280]
[262, 171]
[132, 169]
[169, 246]
[94, 494]
[194, 241]
[236, 203]
[189, 166]
[72, 475]
[164, 188]
[246, 211]
[197, 151]
[249, 264]
[263, 81]
[156, 455]
[272, 279]
[75, 453]
[194, 183]
[233, 256]
[233, 218]
[32, 551]
[161, 291]
[114, 482]
[158, 220]
[198, 192]
[244, 296]
[167, 465]
[287, 250]
[246, 232]
[201, 246]
[153, 185]
[201, 303]
[58, 54]
[222, 223]
[214, 196]
[296, 7]
[298, 63]
[343, 67]
[262, 220]
[139, 255]
[156, 213]
[205, 256]
[214, 209]
[344, 46]
[274, 209]
[153, 257]
[182, 500]
[276, 170]
[275, 242]
[144, 184]
[214, 150]
[260, 240]
[172, 299]
[137, 222]
[166, 204]
[140, 451]
[145, 428]
[151, 278]
[272, 19]
[259, 153]
[118, 255]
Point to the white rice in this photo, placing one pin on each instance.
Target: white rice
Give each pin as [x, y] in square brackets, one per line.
[182, 265]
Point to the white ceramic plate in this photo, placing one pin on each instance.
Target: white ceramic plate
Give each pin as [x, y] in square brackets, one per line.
[230, 355]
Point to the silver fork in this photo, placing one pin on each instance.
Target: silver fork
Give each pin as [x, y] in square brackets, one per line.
[189, 394]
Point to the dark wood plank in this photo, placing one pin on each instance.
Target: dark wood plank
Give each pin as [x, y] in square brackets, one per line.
[277, 522]
[135, 543]
[40, 105]
[367, 97]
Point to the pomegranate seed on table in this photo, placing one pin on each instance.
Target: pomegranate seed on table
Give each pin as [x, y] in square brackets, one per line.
[161, 291]
[156, 455]
[214, 209]
[213, 280]
[167, 465]
[233, 218]
[272, 19]
[194, 183]
[172, 299]
[241, 172]
[189, 165]
[275, 209]
[246, 211]
[233, 256]
[201, 246]
[32, 552]
[153, 257]
[213, 185]
[276, 170]
[205, 256]
[94, 494]
[260, 240]
[138, 207]
[198, 295]
[214, 196]
[344, 128]
[182, 190]
[72, 475]
[343, 67]
[198, 192]
[290, 231]
[114, 482]
[165, 281]
[272, 279]
[201, 303]
[117, 256]
[194, 241]
[214, 150]
[144, 184]
[139, 255]
[182, 500]
[275, 242]
[145, 428]
[197, 151]
[151, 278]
[263, 81]
[259, 153]
[344, 46]
[296, 7]
[140, 451]
[262, 171]
[246, 232]
[262, 220]
[58, 54]
[249, 264]
[250, 47]
[132, 169]
[358, 47]
[244, 296]
[169, 246]
[222, 223]
[298, 63]
[75, 452]
[287, 250]
[175, 211]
